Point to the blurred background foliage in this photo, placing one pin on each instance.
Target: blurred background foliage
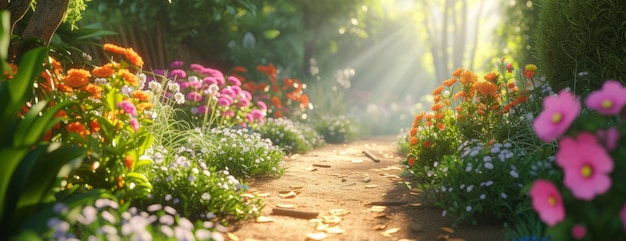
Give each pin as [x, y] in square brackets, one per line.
[382, 55]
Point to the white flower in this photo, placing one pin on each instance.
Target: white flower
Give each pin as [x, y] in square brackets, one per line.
[514, 174]
[469, 188]
[487, 158]
[206, 196]
[468, 168]
[468, 208]
[168, 197]
[443, 188]
[173, 87]
[191, 178]
[474, 153]
[429, 173]
[462, 186]
[179, 98]
[443, 214]
[488, 183]
[503, 195]
[489, 165]
[483, 196]
[155, 87]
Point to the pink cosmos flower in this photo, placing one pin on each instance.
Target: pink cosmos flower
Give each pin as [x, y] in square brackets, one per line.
[622, 215]
[558, 114]
[608, 137]
[586, 166]
[609, 100]
[579, 231]
[547, 202]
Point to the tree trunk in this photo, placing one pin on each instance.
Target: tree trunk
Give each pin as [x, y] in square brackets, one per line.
[46, 19]
[18, 9]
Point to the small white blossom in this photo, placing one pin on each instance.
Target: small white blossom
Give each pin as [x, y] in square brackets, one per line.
[483, 196]
[489, 165]
[503, 195]
[514, 174]
[468, 208]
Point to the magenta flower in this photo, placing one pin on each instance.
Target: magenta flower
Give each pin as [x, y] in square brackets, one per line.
[235, 89]
[262, 105]
[225, 101]
[234, 81]
[128, 107]
[622, 215]
[249, 118]
[586, 166]
[579, 231]
[558, 114]
[547, 202]
[202, 109]
[177, 74]
[228, 91]
[609, 100]
[608, 137]
[197, 68]
[215, 74]
[209, 81]
[177, 64]
[194, 96]
[243, 103]
[229, 113]
[134, 124]
[194, 84]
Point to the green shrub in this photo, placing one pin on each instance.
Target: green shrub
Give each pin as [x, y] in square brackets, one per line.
[581, 36]
[335, 128]
[291, 136]
[243, 154]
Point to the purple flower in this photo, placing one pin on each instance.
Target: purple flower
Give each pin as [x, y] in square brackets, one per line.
[177, 74]
[194, 96]
[128, 107]
[177, 64]
[234, 81]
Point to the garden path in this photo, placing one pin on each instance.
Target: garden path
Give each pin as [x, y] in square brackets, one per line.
[339, 180]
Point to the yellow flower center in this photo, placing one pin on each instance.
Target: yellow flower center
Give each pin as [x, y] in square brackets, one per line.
[607, 104]
[552, 201]
[557, 117]
[586, 171]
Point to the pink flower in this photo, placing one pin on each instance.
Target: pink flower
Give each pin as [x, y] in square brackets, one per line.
[196, 68]
[234, 81]
[194, 96]
[547, 202]
[178, 74]
[609, 100]
[209, 81]
[134, 124]
[229, 113]
[262, 105]
[202, 109]
[608, 137]
[579, 231]
[128, 107]
[558, 114]
[586, 166]
[225, 100]
[622, 215]
[177, 64]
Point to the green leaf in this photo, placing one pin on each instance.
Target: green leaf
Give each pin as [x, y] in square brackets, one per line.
[30, 66]
[5, 35]
[11, 158]
[33, 126]
[271, 34]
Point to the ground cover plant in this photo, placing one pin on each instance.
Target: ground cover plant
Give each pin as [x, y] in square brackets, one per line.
[292, 137]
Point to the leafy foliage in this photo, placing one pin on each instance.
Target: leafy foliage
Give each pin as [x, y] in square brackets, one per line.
[292, 137]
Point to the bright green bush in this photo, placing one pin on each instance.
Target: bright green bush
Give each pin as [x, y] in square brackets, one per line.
[292, 137]
[335, 128]
[581, 36]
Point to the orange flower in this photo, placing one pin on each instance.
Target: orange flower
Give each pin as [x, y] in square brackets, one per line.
[76, 78]
[486, 88]
[481, 112]
[77, 127]
[459, 108]
[94, 125]
[459, 95]
[144, 106]
[141, 95]
[449, 82]
[8, 75]
[428, 144]
[133, 57]
[511, 85]
[276, 102]
[457, 72]
[440, 126]
[239, 69]
[261, 87]
[94, 90]
[440, 115]
[437, 98]
[468, 77]
[112, 48]
[428, 123]
[413, 140]
[128, 162]
[304, 100]
[129, 77]
[120, 182]
[278, 114]
[428, 116]
[436, 107]
[275, 88]
[491, 77]
[418, 118]
[250, 86]
[529, 71]
[269, 70]
[411, 161]
[413, 131]
[103, 71]
[437, 90]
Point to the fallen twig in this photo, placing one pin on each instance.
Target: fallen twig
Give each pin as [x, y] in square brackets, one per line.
[388, 203]
[321, 165]
[294, 213]
[371, 156]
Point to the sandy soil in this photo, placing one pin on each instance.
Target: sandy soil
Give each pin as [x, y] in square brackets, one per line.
[329, 192]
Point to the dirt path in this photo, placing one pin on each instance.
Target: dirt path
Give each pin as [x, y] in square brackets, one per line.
[339, 183]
